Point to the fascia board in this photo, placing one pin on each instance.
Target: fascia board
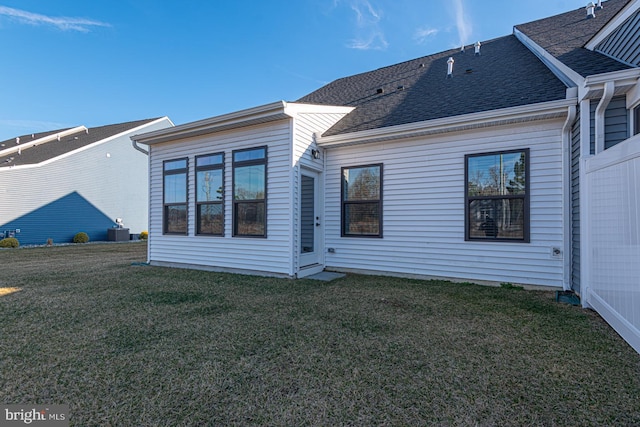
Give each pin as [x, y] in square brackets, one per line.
[627, 79]
[613, 24]
[261, 114]
[540, 111]
[564, 73]
[293, 108]
[53, 137]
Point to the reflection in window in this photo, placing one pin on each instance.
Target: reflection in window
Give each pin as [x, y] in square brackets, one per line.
[497, 192]
[250, 192]
[362, 201]
[210, 194]
[175, 196]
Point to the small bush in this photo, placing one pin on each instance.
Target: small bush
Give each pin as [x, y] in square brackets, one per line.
[144, 235]
[9, 242]
[81, 237]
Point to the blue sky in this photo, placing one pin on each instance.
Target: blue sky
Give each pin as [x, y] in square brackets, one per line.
[77, 62]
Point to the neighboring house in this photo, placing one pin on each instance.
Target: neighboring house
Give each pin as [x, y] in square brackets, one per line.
[56, 184]
[470, 164]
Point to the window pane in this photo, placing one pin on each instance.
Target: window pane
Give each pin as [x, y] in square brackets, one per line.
[176, 219]
[210, 219]
[209, 185]
[362, 219]
[175, 164]
[175, 188]
[243, 156]
[249, 182]
[215, 159]
[496, 219]
[250, 219]
[497, 174]
[361, 183]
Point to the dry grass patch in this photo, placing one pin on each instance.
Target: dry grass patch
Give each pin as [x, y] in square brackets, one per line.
[7, 291]
[147, 346]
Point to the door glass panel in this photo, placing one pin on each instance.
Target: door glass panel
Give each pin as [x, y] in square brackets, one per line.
[307, 212]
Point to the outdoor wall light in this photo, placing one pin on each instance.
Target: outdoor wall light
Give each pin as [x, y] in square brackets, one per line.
[315, 154]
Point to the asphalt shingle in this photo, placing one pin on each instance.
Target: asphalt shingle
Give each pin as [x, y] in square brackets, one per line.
[31, 154]
[505, 74]
[564, 36]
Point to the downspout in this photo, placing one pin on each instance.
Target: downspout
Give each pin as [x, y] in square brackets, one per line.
[609, 89]
[137, 147]
[566, 179]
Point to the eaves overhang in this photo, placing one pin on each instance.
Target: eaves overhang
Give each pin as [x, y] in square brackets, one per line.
[501, 117]
[624, 81]
[257, 115]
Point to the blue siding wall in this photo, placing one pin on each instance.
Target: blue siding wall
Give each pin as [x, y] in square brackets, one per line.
[61, 220]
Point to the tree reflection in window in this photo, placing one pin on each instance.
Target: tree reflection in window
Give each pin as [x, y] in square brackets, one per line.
[362, 201]
[497, 196]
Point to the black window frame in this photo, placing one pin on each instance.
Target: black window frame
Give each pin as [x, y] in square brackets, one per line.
[235, 202]
[166, 206]
[524, 197]
[344, 203]
[199, 204]
[636, 120]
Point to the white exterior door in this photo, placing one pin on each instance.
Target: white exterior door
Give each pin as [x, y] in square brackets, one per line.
[310, 224]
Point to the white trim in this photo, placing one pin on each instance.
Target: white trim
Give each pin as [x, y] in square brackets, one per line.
[524, 113]
[275, 111]
[564, 73]
[613, 24]
[86, 147]
[33, 142]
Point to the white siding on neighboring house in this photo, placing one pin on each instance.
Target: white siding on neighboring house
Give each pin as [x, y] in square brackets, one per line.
[110, 175]
[423, 208]
[271, 255]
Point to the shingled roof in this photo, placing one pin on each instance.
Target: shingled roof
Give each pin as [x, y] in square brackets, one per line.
[34, 153]
[505, 74]
[564, 36]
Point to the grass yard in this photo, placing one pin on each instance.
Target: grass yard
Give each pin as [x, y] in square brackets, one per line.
[127, 345]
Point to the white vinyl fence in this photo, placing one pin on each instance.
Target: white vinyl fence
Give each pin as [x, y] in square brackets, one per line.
[612, 197]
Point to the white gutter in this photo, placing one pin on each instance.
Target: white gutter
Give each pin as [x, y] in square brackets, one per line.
[135, 143]
[524, 113]
[32, 142]
[609, 89]
[566, 178]
[262, 114]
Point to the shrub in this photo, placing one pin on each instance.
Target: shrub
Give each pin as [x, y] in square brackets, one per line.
[144, 235]
[9, 242]
[81, 237]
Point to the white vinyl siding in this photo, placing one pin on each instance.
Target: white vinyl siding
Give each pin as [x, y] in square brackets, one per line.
[305, 125]
[110, 175]
[270, 255]
[423, 208]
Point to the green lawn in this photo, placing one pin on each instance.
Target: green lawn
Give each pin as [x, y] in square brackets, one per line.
[131, 345]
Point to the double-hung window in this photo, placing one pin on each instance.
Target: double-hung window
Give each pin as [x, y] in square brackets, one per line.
[362, 201]
[497, 196]
[210, 194]
[175, 196]
[250, 192]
